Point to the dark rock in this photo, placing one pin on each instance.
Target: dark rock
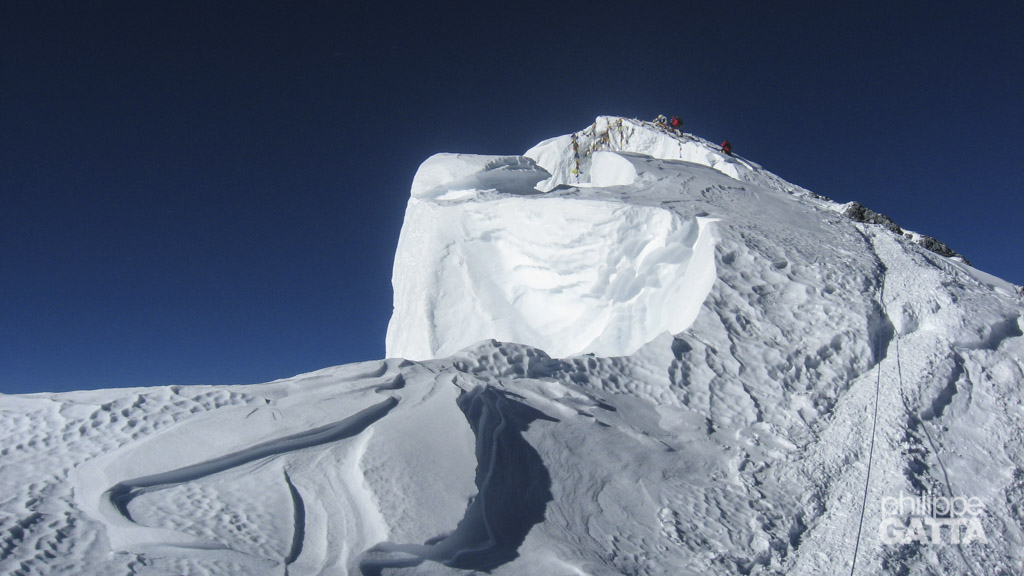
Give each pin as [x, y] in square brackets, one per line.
[940, 248]
[859, 213]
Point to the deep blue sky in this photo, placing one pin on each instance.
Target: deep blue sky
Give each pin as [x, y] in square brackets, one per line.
[211, 192]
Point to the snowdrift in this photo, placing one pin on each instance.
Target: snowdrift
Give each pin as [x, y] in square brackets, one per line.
[633, 355]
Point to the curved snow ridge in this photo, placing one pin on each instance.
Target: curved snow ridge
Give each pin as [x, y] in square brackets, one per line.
[563, 274]
[124, 492]
[575, 159]
[125, 533]
[232, 439]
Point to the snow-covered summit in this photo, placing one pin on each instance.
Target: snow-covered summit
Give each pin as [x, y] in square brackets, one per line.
[572, 159]
[658, 359]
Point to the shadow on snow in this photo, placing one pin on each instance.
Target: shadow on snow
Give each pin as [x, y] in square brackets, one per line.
[513, 485]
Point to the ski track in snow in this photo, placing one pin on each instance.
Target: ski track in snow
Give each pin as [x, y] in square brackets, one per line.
[740, 376]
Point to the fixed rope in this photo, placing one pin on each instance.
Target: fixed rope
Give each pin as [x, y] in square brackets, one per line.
[931, 442]
[874, 426]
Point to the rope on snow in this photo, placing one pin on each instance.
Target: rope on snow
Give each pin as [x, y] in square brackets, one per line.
[874, 425]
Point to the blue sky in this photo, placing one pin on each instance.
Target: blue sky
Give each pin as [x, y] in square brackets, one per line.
[211, 192]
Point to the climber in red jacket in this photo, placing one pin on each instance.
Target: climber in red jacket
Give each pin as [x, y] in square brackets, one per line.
[676, 123]
[727, 147]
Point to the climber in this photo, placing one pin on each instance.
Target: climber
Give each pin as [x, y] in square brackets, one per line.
[727, 147]
[676, 123]
[660, 120]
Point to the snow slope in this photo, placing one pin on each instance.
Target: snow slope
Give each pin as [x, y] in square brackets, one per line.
[668, 362]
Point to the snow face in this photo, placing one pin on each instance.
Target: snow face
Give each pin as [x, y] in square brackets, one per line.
[827, 368]
[561, 272]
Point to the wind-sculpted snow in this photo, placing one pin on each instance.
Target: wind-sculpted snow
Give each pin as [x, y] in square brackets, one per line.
[569, 272]
[678, 364]
[122, 494]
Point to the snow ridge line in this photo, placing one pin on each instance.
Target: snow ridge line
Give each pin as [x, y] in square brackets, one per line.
[874, 425]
